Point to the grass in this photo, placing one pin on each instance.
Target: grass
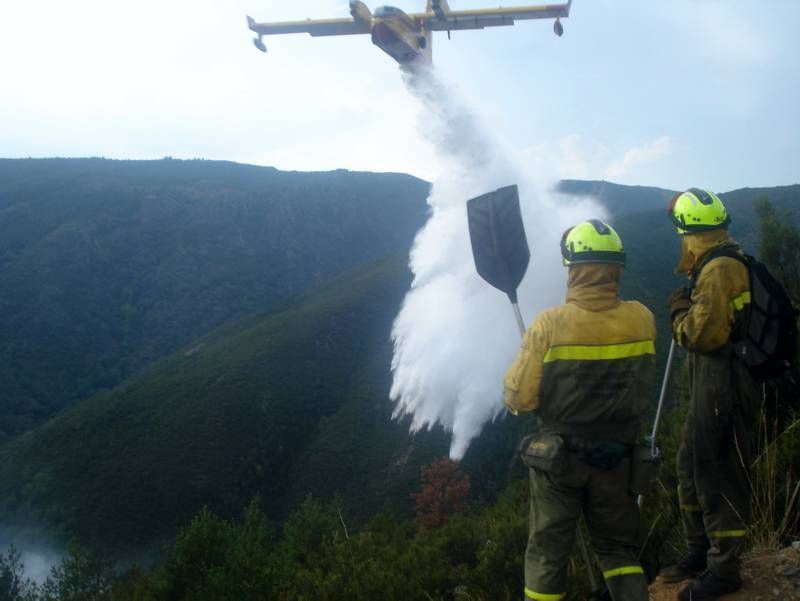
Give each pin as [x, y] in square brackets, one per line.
[774, 478]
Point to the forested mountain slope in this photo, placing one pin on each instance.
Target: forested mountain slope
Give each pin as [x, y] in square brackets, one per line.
[278, 405]
[107, 266]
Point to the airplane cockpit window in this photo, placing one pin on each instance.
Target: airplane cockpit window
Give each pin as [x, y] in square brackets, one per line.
[387, 11]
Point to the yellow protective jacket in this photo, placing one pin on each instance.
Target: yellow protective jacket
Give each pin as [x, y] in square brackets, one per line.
[721, 292]
[587, 367]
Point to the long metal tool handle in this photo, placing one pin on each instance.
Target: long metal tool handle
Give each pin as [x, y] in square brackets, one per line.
[662, 397]
[520, 321]
[584, 548]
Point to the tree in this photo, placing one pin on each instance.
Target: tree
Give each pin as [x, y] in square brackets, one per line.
[81, 576]
[780, 246]
[309, 528]
[775, 476]
[13, 584]
[780, 250]
[216, 560]
[444, 493]
[196, 557]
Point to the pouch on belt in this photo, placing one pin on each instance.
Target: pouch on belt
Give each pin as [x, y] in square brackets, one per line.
[544, 451]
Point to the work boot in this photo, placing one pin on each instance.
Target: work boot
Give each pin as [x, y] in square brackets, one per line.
[708, 587]
[688, 567]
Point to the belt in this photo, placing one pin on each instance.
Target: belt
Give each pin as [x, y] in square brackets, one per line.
[603, 454]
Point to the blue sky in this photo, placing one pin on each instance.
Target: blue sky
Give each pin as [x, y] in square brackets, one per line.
[675, 94]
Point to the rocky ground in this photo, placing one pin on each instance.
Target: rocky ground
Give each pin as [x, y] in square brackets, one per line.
[768, 576]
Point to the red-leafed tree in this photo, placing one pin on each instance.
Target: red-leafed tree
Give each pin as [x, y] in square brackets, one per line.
[445, 489]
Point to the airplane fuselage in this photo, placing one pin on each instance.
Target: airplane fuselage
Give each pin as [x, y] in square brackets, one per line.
[399, 36]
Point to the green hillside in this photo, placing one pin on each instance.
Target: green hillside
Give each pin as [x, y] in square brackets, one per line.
[221, 384]
[107, 266]
[277, 405]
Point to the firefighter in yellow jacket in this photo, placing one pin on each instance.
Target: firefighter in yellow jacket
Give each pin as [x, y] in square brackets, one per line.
[712, 483]
[587, 369]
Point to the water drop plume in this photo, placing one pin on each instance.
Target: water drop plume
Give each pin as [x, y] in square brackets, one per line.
[455, 335]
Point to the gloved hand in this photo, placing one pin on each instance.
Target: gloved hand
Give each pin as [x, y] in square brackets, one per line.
[679, 302]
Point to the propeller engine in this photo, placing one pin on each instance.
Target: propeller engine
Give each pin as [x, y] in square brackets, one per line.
[440, 8]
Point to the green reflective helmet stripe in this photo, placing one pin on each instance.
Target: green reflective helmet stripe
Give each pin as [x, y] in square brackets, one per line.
[697, 210]
[592, 241]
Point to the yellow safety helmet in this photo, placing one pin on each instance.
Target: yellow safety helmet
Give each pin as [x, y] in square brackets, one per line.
[697, 211]
[592, 242]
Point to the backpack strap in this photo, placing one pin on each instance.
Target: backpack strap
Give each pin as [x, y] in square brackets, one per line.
[731, 251]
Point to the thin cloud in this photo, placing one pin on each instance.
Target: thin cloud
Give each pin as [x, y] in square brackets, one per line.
[570, 157]
[639, 155]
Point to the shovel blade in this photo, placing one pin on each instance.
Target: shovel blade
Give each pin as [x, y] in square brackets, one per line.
[499, 245]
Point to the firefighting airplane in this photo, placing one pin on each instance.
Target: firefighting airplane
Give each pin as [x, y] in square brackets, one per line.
[407, 37]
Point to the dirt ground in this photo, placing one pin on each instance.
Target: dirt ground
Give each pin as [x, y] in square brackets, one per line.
[768, 576]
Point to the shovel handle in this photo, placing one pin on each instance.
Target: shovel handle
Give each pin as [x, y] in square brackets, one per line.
[662, 397]
[520, 321]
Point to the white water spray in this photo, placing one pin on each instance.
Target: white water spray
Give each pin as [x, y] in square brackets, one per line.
[455, 335]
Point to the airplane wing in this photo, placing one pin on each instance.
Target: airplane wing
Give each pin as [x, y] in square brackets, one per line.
[315, 28]
[490, 17]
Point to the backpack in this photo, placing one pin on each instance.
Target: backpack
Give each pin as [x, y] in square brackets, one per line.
[766, 339]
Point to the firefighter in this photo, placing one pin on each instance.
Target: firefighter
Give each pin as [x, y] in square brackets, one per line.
[587, 369]
[712, 483]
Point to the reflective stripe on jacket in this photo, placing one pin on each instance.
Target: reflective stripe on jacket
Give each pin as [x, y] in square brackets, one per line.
[588, 366]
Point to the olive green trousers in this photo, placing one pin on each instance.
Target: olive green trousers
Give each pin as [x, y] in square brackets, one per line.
[713, 487]
[612, 517]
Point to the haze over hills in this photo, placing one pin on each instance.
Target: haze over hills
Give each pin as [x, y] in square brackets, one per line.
[239, 317]
[618, 199]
